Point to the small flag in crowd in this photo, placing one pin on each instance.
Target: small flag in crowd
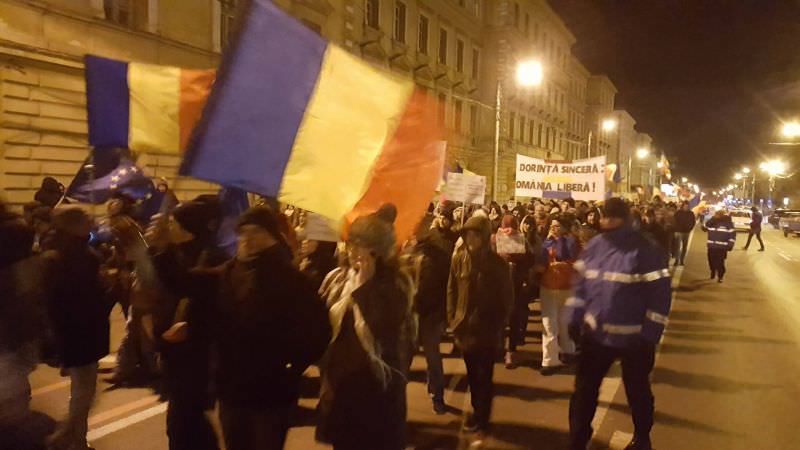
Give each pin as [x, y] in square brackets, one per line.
[294, 117]
[113, 171]
[143, 107]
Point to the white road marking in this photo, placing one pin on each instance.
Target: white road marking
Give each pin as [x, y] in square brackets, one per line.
[125, 422]
[782, 255]
[50, 388]
[619, 440]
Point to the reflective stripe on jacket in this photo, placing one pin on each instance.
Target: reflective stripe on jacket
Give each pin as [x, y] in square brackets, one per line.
[622, 290]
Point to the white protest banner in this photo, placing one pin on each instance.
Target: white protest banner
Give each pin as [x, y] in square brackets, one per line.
[465, 188]
[582, 179]
[513, 244]
[319, 228]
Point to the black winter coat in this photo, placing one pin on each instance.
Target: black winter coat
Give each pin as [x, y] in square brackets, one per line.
[435, 253]
[77, 304]
[684, 221]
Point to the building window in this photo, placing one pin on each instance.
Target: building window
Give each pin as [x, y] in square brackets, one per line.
[522, 128]
[457, 115]
[462, 3]
[442, 111]
[422, 40]
[119, 12]
[443, 46]
[227, 11]
[512, 120]
[400, 22]
[476, 7]
[516, 15]
[459, 55]
[539, 136]
[476, 59]
[372, 13]
[530, 133]
[473, 119]
[527, 25]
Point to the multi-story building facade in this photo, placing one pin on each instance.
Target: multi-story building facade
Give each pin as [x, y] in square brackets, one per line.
[460, 51]
[43, 128]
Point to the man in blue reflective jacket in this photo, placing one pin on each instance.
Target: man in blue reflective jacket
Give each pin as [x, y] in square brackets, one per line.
[618, 310]
[721, 239]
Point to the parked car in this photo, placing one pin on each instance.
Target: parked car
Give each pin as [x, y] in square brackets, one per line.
[775, 218]
[741, 219]
[790, 223]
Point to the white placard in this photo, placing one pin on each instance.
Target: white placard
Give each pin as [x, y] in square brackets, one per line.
[319, 228]
[470, 189]
[509, 244]
[582, 179]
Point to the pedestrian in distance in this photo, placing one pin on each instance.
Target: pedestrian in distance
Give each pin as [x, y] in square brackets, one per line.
[183, 325]
[78, 309]
[721, 240]
[434, 252]
[755, 228]
[618, 311]
[684, 224]
[561, 249]
[364, 373]
[479, 300]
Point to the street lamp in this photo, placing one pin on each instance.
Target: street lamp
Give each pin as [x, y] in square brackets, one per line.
[746, 170]
[773, 168]
[791, 129]
[609, 125]
[529, 73]
[684, 180]
[642, 153]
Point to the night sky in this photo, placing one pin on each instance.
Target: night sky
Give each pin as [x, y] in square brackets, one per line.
[709, 80]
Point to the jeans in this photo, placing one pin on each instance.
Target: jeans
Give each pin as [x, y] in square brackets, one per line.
[250, 429]
[480, 371]
[716, 261]
[593, 364]
[430, 336]
[188, 427]
[71, 433]
[757, 233]
[682, 242]
[555, 338]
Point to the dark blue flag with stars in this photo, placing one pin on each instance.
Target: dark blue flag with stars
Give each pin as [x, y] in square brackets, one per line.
[114, 172]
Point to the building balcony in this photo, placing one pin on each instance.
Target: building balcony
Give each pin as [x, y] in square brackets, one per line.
[371, 43]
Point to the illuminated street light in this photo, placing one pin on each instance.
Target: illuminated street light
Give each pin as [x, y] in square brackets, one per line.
[746, 170]
[659, 164]
[684, 180]
[609, 125]
[791, 129]
[773, 167]
[530, 73]
[642, 153]
[737, 177]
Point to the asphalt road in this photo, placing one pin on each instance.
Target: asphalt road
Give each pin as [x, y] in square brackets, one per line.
[726, 376]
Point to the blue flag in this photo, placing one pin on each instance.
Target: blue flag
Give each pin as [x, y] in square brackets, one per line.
[114, 171]
[234, 202]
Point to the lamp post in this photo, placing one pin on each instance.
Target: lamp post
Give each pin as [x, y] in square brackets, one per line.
[773, 168]
[641, 153]
[529, 73]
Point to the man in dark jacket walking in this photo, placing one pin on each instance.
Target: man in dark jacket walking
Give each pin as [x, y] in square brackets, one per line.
[755, 228]
[183, 327]
[435, 252]
[721, 240]
[479, 301]
[78, 310]
[268, 326]
[684, 223]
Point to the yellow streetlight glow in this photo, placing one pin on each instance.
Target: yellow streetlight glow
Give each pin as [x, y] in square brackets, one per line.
[659, 164]
[791, 129]
[746, 170]
[642, 153]
[737, 177]
[609, 125]
[684, 180]
[530, 73]
[773, 167]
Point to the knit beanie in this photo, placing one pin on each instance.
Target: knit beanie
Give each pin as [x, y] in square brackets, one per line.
[262, 216]
[200, 216]
[376, 231]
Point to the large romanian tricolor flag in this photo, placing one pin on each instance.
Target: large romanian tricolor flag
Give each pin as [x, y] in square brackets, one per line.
[143, 107]
[294, 117]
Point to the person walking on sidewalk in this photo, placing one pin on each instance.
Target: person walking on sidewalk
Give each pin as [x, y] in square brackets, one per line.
[618, 311]
[684, 223]
[721, 240]
[755, 229]
[562, 250]
[479, 300]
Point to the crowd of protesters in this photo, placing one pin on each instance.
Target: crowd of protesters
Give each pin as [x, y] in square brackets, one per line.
[359, 310]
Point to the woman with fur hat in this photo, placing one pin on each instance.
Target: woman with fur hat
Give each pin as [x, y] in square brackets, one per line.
[363, 397]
